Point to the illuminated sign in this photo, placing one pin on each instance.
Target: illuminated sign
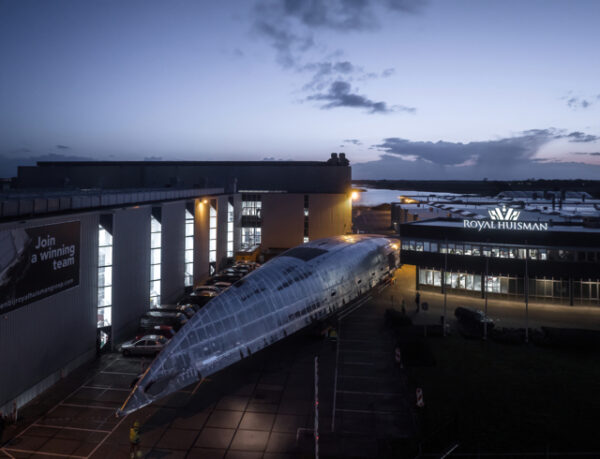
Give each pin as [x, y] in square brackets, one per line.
[504, 214]
[504, 219]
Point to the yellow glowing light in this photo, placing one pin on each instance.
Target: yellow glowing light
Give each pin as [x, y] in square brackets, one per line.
[205, 201]
[354, 195]
[395, 246]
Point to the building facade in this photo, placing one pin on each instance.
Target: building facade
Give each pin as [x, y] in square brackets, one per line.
[87, 248]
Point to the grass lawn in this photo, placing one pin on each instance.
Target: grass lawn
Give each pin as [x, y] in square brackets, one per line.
[496, 397]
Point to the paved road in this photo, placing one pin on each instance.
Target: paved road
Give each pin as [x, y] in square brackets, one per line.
[262, 407]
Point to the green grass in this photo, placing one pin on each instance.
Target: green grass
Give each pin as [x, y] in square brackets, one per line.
[497, 397]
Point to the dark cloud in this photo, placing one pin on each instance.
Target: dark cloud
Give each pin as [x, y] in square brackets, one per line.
[578, 102]
[594, 153]
[578, 136]
[289, 26]
[353, 141]
[506, 158]
[393, 167]
[340, 95]
[9, 163]
[63, 147]
[491, 152]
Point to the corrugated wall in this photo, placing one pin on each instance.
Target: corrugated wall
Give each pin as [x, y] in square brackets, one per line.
[173, 248]
[41, 338]
[131, 269]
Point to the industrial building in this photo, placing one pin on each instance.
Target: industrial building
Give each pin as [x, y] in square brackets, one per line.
[543, 246]
[87, 247]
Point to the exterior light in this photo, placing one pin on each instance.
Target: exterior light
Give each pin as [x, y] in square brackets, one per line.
[205, 201]
[354, 195]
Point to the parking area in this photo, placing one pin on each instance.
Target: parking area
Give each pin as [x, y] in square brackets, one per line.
[260, 407]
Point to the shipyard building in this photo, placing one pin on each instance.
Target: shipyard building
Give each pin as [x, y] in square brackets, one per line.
[543, 246]
[87, 247]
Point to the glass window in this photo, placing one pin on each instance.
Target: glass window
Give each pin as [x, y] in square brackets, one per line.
[437, 278]
[462, 281]
[434, 247]
[487, 252]
[468, 249]
[105, 257]
[476, 251]
[419, 246]
[477, 282]
[533, 254]
[459, 249]
[426, 246]
[443, 247]
[469, 282]
[104, 317]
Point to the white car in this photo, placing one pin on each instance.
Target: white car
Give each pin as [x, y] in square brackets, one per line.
[146, 345]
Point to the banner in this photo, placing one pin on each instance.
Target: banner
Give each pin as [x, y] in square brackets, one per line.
[37, 262]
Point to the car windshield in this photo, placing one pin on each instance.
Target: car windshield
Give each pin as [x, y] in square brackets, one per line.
[162, 340]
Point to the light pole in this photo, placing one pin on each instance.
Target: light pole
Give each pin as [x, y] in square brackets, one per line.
[444, 287]
[485, 295]
[526, 296]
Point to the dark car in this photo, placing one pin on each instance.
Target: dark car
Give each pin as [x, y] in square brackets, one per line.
[471, 322]
[197, 300]
[165, 330]
[174, 319]
[183, 308]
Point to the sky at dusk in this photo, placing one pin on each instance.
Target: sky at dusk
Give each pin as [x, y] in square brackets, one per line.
[432, 89]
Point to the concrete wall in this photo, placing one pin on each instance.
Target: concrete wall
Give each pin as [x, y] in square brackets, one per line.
[294, 177]
[201, 241]
[329, 215]
[173, 251]
[40, 341]
[131, 269]
[282, 220]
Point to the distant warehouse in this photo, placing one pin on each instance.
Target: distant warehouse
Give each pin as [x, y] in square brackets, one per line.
[86, 247]
[544, 245]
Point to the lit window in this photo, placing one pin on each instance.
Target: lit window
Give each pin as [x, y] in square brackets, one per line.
[230, 218]
[155, 257]
[189, 249]
[212, 238]
[105, 244]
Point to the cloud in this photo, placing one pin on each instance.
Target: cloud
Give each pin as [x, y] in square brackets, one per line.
[491, 152]
[575, 102]
[290, 27]
[340, 95]
[581, 137]
[505, 158]
[393, 167]
[353, 141]
[63, 147]
[594, 153]
[153, 158]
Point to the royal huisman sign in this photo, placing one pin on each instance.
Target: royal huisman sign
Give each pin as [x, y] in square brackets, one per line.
[504, 219]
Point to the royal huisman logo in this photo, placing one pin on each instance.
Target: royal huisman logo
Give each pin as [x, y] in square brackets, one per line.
[505, 218]
[504, 213]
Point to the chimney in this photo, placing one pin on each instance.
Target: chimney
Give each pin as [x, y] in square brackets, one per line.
[333, 160]
[343, 161]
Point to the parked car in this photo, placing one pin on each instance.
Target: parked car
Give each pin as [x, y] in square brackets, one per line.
[471, 322]
[174, 319]
[183, 308]
[208, 288]
[198, 300]
[165, 330]
[146, 345]
[223, 285]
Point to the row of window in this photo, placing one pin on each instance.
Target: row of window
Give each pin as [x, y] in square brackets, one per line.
[105, 254]
[476, 250]
[512, 285]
